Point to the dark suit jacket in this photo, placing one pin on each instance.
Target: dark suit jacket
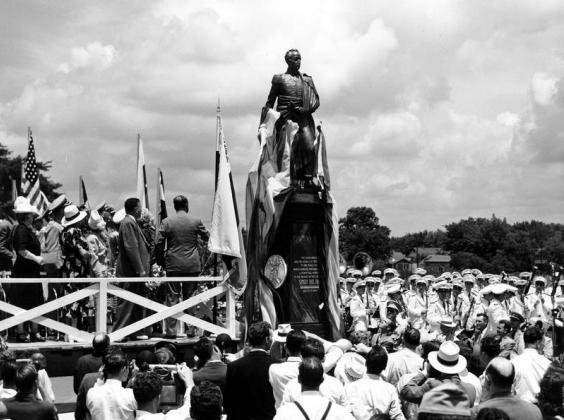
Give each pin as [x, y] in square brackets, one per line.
[29, 408]
[133, 257]
[248, 393]
[178, 236]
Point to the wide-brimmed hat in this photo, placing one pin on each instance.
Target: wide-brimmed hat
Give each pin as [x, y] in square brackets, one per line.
[72, 215]
[95, 221]
[448, 359]
[281, 333]
[447, 399]
[118, 216]
[499, 288]
[448, 322]
[22, 205]
[354, 366]
[57, 202]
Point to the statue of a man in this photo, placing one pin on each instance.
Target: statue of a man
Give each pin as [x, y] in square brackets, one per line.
[297, 100]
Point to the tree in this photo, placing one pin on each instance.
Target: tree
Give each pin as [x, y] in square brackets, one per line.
[424, 239]
[360, 231]
[10, 168]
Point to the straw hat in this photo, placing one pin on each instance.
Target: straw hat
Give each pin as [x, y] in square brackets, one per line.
[22, 205]
[57, 202]
[448, 359]
[72, 215]
[95, 221]
[354, 367]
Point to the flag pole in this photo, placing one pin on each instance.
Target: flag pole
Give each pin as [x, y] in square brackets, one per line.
[217, 134]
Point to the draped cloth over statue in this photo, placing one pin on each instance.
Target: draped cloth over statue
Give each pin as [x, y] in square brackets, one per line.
[269, 191]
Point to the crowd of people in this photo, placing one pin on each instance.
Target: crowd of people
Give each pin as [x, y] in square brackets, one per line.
[68, 241]
[293, 374]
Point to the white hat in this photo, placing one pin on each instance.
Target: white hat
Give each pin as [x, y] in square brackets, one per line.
[420, 271]
[539, 279]
[394, 288]
[22, 205]
[356, 273]
[389, 271]
[443, 285]
[486, 290]
[72, 215]
[499, 288]
[354, 367]
[118, 216]
[360, 283]
[448, 359]
[421, 280]
[282, 332]
[95, 221]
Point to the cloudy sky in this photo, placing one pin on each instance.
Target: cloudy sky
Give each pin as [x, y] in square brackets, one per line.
[433, 110]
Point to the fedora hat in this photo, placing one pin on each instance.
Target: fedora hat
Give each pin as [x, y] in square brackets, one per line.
[72, 215]
[95, 221]
[281, 333]
[57, 202]
[354, 367]
[448, 322]
[448, 359]
[22, 205]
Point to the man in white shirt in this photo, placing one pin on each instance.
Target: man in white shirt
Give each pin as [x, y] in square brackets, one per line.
[406, 360]
[530, 366]
[372, 396]
[279, 374]
[330, 388]
[110, 400]
[311, 404]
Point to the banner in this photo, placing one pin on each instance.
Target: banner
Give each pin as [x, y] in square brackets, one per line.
[226, 238]
[142, 189]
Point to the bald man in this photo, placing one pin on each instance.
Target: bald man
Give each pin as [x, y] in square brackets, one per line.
[497, 381]
[91, 362]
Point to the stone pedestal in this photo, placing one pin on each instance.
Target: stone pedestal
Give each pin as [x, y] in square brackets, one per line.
[300, 241]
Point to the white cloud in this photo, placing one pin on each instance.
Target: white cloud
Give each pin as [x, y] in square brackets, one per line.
[543, 88]
[432, 112]
[94, 55]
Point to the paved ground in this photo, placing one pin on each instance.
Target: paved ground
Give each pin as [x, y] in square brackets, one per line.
[64, 394]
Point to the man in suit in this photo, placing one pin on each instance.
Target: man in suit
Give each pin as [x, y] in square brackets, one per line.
[177, 250]
[248, 393]
[133, 261]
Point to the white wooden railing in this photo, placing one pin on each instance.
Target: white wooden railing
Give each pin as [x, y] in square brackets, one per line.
[102, 287]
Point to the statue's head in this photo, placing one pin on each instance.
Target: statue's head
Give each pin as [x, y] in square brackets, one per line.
[293, 59]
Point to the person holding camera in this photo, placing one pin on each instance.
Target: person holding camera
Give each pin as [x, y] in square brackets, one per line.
[147, 387]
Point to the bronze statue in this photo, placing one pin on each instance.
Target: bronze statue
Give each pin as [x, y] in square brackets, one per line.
[297, 100]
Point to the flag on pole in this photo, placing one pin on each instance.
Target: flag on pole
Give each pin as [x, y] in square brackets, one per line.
[142, 189]
[160, 208]
[30, 178]
[226, 237]
[14, 190]
[82, 196]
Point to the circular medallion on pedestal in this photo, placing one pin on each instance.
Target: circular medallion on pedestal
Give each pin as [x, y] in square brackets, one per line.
[276, 270]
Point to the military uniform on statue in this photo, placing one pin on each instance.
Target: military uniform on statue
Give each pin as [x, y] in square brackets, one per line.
[291, 216]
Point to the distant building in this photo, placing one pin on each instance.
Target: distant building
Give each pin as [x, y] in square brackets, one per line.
[436, 264]
[419, 254]
[402, 263]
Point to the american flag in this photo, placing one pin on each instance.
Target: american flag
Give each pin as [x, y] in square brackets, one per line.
[30, 180]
